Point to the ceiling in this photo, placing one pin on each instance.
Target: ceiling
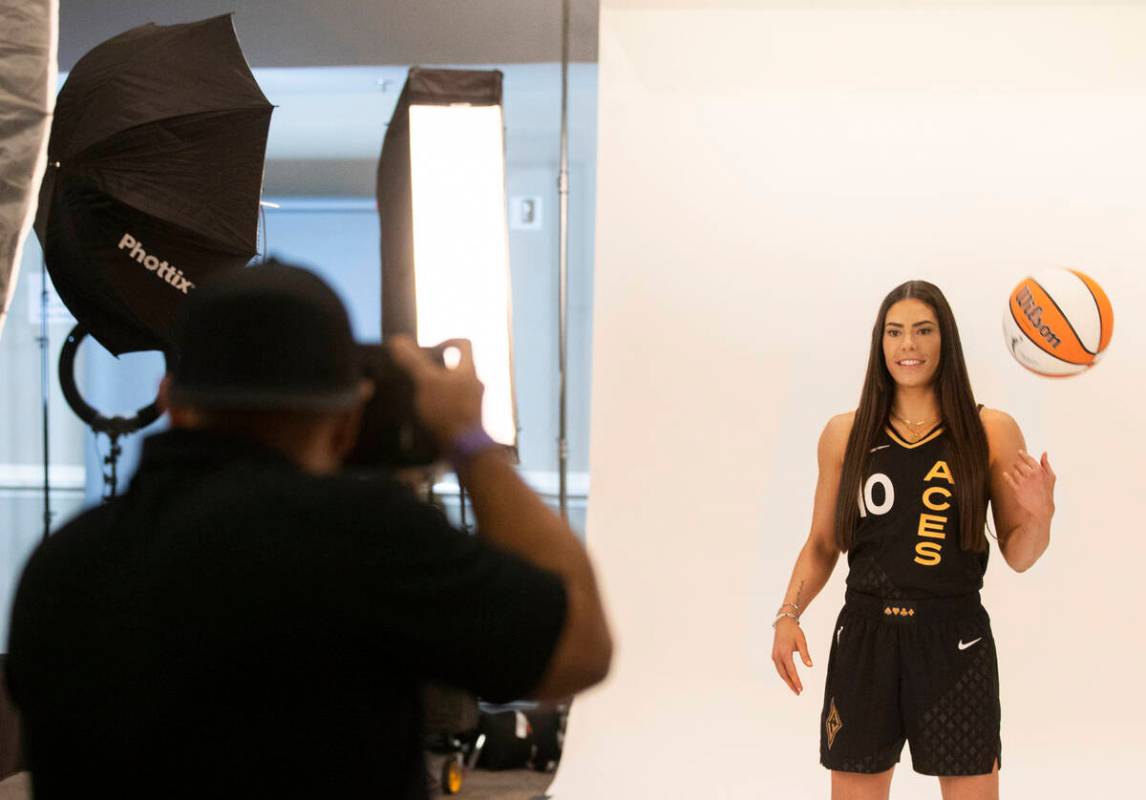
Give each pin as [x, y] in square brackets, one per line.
[325, 113]
[334, 71]
[307, 33]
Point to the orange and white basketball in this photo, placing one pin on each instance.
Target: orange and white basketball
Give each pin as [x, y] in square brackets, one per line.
[1058, 323]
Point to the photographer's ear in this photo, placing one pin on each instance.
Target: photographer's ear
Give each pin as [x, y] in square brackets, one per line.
[366, 389]
[180, 416]
[163, 399]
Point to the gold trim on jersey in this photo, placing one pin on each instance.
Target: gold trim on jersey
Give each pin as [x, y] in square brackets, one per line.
[896, 438]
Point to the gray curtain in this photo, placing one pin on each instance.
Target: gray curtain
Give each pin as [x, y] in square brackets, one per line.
[28, 30]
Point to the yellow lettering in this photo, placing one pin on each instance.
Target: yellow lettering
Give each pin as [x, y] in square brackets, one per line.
[940, 470]
[928, 553]
[940, 490]
[932, 525]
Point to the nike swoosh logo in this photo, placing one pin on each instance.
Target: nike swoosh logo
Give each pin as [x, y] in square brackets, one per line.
[841, 630]
[881, 447]
[963, 646]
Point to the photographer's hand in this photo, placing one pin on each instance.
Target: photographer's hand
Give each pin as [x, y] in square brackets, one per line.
[510, 514]
[447, 401]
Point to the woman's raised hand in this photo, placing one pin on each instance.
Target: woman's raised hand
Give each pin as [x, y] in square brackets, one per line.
[1033, 484]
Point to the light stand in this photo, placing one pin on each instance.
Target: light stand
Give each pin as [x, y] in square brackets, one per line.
[563, 274]
[113, 427]
[42, 341]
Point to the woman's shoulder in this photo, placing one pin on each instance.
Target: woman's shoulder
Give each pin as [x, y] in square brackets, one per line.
[834, 439]
[1001, 430]
[996, 421]
[841, 423]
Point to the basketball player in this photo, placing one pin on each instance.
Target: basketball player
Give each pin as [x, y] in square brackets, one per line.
[904, 486]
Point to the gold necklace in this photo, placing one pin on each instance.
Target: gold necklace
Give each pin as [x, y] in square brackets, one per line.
[913, 435]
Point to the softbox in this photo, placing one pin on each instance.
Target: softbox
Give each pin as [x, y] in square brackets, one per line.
[445, 238]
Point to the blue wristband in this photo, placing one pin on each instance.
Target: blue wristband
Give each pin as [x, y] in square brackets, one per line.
[466, 446]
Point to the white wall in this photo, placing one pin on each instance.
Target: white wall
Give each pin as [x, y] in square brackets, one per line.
[766, 175]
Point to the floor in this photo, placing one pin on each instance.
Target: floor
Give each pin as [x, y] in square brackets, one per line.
[517, 784]
[483, 784]
[514, 784]
[15, 787]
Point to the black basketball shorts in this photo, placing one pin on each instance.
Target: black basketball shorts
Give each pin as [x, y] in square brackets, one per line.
[924, 671]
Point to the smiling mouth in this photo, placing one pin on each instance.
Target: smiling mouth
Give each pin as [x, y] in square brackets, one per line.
[910, 362]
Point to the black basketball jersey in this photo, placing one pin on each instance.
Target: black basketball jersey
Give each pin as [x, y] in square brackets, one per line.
[906, 542]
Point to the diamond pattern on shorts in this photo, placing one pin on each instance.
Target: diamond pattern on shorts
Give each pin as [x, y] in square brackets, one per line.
[879, 761]
[959, 734]
[867, 576]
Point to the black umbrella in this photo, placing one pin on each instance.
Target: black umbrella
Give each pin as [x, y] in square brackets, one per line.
[155, 167]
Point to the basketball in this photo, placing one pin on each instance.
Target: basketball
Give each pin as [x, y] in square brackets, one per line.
[1058, 323]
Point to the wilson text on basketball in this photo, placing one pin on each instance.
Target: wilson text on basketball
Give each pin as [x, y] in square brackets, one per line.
[1034, 314]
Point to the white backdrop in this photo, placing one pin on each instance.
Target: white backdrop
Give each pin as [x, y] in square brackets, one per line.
[767, 172]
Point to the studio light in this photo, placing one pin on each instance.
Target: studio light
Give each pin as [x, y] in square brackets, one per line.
[445, 240]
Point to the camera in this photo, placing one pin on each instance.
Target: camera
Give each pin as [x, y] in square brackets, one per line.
[391, 434]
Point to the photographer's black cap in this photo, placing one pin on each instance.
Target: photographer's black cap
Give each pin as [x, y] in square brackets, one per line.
[272, 336]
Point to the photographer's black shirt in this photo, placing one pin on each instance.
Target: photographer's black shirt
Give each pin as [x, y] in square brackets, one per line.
[232, 626]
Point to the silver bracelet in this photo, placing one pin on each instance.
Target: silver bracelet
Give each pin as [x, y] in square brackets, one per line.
[787, 614]
[791, 603]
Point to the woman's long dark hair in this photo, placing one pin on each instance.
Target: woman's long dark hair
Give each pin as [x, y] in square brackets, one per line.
[959, 417]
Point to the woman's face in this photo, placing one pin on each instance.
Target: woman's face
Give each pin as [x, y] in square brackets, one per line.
[911, 342]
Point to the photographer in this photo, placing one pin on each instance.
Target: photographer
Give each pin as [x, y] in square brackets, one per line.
[249, 621]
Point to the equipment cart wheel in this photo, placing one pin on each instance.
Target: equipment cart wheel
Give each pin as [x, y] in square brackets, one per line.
[452, 774]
